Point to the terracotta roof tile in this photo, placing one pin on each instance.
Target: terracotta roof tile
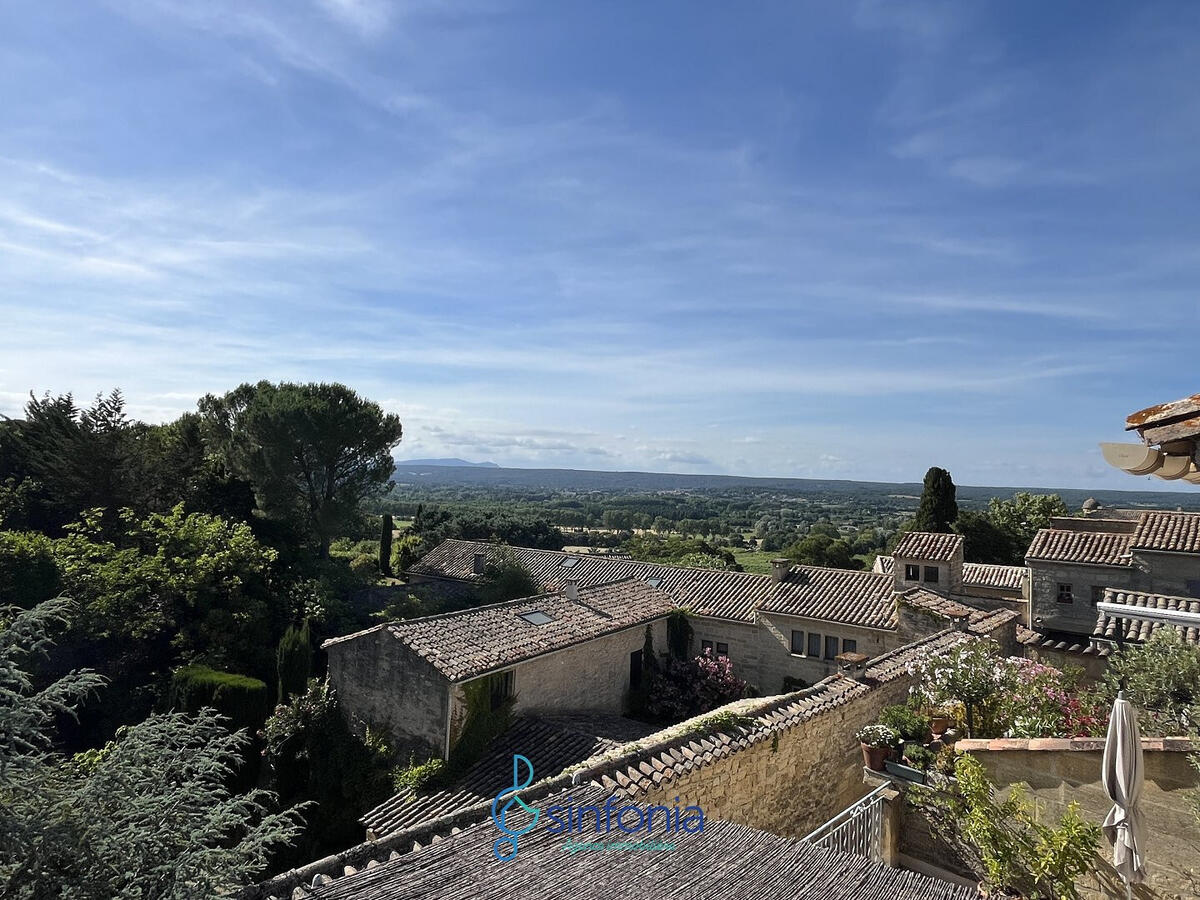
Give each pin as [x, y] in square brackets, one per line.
[855, 598]
[472, 642]
[929, 545]
[1118, 628]
[992, 576]
[1176, 532]
[1084, 547]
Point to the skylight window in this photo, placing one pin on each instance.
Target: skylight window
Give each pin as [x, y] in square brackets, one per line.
[570, 562]
[537, 617]
[654, 582]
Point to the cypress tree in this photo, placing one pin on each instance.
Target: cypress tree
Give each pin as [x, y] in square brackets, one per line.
[293, 661]
[938, 507]
[385, 546]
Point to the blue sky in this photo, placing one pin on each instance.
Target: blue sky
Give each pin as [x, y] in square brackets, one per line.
[845, 240]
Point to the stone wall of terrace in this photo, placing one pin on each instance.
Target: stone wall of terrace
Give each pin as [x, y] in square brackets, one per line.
[1056, 772]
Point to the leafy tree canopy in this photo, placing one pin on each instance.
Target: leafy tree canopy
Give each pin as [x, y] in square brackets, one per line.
[311, 451]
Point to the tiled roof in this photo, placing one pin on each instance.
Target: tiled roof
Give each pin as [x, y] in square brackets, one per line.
[1061, 641]
[836, 595]
[821, 593]
[992, 576]
[929, 545]
[472, 642]
[648, 763]
[1117, 628]
[551, 743]
[1084, 547]
[979, 621]
[724, 860]
[1176, 532]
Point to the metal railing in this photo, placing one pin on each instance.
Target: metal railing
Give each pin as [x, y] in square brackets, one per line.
[858, 829]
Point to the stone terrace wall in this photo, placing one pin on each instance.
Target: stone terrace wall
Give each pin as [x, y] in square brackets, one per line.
[1057, 772]
[797, 768]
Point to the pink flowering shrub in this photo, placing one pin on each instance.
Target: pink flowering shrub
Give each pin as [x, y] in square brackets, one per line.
[688, 687]
[1013, 696]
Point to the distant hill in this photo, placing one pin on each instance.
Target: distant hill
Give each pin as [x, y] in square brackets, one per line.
[446, 462]
[446, 472]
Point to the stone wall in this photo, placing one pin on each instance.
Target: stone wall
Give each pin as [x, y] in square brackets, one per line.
[798, 779]
[380, 682]
[1057, 772]
[1177, 574]
[774, 638]
[1078, 616]
[588, 677]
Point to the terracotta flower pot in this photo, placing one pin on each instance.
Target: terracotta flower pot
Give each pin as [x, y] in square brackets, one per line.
[873, 757]
[938, 725]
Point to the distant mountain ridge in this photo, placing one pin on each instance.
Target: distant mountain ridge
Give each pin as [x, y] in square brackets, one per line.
[450, 461]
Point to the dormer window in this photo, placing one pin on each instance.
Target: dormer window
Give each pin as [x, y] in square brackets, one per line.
[912, 572]
[537, 617]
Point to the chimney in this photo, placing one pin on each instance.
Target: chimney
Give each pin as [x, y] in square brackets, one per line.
[477, 566]
[572, 589]
[779, 570]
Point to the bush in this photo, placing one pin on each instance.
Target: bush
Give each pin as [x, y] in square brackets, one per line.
[685, 688]
[919, 757]
[365, 566]
[906, 722]
[417, 776]
[1162, 679]
[242, 699]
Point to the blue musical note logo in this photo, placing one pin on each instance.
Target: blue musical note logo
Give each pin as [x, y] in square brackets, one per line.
[499, 812]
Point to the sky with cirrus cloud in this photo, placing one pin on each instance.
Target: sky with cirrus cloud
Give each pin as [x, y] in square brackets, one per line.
[842, 240]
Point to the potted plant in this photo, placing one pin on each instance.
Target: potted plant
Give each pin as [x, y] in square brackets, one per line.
[876, 741]
[939, 721]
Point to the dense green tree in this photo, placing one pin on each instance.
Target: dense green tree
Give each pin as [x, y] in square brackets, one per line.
[312, 451]
[819, 549]
[504, 579]
[984, 541]
[1022, 515]
[149, 815]
[938, 508]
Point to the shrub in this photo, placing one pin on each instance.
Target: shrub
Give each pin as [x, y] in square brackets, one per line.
[1162, 679]
[971, 674]
[365, 566]
[417, 776]
[686, 688]
[876, 736]
[242, 699]
[1015, 849]
[724, 721]
[909, 724]
[919, 757]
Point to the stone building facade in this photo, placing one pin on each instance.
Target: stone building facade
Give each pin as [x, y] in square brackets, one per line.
[575, 651]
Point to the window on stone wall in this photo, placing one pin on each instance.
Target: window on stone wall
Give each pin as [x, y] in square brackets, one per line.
[849, 645]
[814, 645]
[1097, 594]
[912, 573]
[722, 649]
[1064, 593]
[931, 574]
[831, 646]
[798, 643]
[705, 645]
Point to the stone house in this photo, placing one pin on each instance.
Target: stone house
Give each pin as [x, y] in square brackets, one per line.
[578, 649]
[783, 628]
[934, 562]
[1075, 561]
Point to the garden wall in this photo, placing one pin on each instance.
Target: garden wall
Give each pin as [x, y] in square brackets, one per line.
[1059, 771]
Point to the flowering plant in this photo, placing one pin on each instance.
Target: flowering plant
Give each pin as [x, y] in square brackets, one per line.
[972, 674]
[877, 736]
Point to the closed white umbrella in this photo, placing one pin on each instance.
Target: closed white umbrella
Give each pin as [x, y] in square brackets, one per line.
[1122, 774]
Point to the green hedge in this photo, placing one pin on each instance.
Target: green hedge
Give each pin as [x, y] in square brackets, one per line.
[243, 699]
